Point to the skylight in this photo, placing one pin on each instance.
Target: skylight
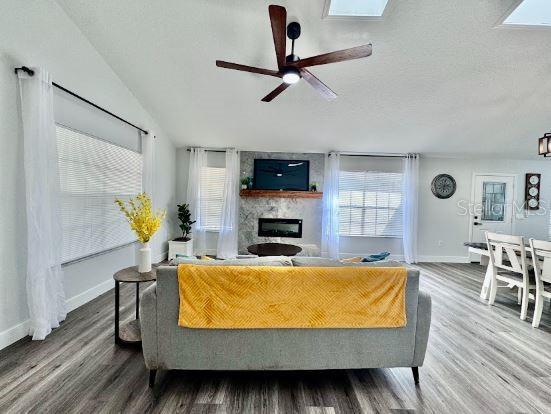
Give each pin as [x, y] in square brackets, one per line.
[361, 8]
[531, 13]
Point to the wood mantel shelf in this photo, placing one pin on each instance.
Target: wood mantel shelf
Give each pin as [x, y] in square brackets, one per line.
[281, 194]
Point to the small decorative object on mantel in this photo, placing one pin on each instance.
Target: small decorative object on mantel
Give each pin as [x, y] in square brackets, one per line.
[532, 191]
[545, 145]
[144, 222]
[314, 186]
[443, 186]
[244, 183]
[182, 245]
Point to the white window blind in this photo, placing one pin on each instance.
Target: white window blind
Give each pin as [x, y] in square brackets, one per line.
[93, 173]
[370, 204]
[212, 195]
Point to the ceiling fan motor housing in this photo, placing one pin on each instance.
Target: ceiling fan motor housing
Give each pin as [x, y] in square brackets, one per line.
[293, 30]
[292, 58]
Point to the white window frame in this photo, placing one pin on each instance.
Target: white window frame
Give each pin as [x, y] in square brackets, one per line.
[325, 14]
[501, 23]
[206, 198]
[130, 237]
[364, 208]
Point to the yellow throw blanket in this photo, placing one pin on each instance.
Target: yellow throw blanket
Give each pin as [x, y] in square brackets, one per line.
[246, 297]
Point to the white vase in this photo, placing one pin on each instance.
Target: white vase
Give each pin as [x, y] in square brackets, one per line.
[144, 258]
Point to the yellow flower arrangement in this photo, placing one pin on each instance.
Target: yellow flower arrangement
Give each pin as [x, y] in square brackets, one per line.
[139, 214]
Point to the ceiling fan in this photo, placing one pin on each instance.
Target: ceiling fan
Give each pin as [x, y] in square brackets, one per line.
[291, 68]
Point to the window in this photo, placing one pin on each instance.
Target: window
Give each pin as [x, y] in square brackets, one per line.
[361, 8]
[493, 201]
[370, 204]
[212, 196]
[92, 174]
[531, 13]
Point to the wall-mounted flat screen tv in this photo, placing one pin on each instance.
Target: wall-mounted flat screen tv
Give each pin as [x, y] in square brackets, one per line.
[290, 175]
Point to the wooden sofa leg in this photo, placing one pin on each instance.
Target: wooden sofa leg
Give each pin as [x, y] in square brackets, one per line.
[415, 371]
[152, 375]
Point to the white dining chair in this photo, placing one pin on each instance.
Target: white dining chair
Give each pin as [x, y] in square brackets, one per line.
[509, 264]
[541, 259]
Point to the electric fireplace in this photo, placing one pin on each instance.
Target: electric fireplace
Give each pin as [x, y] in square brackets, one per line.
[280, 227]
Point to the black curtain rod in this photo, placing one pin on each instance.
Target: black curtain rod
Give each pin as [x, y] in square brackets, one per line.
[30, 72]
[375, 156]
[208, 150]
[343, 155]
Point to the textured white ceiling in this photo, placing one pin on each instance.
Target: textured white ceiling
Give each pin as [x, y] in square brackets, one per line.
[442, 79]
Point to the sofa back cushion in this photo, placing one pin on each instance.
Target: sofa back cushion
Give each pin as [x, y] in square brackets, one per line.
[325, 262]
[254, 261]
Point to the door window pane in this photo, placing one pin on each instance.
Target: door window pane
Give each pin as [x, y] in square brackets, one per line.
[493, 201]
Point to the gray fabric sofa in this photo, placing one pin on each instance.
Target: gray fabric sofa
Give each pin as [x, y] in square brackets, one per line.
[167, 346]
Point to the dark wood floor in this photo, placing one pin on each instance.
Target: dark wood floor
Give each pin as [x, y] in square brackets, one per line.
[480, 359]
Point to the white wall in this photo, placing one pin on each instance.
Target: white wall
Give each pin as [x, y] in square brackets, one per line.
[39, 33]
[442, 229]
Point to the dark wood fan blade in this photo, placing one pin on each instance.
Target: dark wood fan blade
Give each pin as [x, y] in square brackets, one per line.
[245, 68]
[278, 18]
[318, 85]
[275, 92]
[340, 56]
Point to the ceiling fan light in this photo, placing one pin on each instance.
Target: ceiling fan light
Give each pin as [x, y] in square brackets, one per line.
[545, 145]
[291, 75]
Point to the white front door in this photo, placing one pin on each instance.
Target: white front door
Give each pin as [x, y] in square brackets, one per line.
[492, 205]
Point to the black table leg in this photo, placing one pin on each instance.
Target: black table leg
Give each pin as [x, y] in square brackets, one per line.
[137, 300]
[117, 338]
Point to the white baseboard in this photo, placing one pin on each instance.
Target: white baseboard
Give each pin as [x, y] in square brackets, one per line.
[160, 257]
[14, 334]
[89, 294]
[444, 259]
[21, 330]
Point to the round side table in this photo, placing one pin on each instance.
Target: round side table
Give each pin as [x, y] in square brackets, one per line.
[129, 333]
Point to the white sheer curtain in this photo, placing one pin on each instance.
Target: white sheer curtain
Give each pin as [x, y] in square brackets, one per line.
[148, 154]
[197, 161]
[330, 220]
[45, 295]
[227, 238]
[410, 206]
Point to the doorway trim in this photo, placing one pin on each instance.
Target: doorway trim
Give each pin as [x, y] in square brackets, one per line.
[473, 190]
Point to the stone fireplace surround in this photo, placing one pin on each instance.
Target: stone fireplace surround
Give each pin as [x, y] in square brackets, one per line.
[309, 210]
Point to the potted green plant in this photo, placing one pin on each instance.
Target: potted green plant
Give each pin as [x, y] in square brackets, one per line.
[182, 245]
[244, 183]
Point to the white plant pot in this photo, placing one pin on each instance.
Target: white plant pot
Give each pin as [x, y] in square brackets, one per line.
[144, 258]
[180, 247]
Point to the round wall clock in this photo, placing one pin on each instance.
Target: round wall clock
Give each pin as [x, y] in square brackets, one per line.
[443, 186]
